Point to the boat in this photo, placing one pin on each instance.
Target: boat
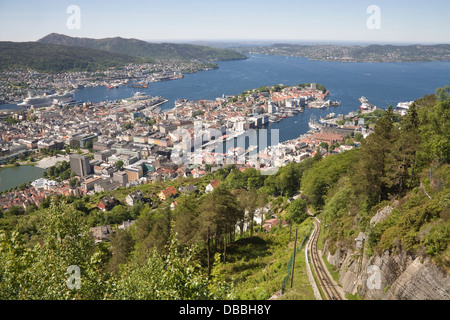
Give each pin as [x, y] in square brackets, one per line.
[335, 103]
[46, 100]
[313, 124]
[274, 119]
[139, 85]
[112, 86]
[404, 105]
[365, 104]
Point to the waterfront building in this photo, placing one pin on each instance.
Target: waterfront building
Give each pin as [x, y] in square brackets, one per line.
[44, 184]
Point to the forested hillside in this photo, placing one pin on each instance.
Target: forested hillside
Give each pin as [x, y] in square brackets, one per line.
[57, 58]
[404, 164]
[146, 50]
[202, 249]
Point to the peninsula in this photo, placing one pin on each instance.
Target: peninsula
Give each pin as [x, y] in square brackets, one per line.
[370, 53]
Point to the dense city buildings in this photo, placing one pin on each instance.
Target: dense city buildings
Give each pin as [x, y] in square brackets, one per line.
[108, 146]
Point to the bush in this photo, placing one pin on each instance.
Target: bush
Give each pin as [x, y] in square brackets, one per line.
[437, 239]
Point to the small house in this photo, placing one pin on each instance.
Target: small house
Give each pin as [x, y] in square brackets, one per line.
[189, 189]
[210, 187]
[107, 203]
[101, 233]
[168, 193]
[173, 205]
[134, 197]
[273, 223]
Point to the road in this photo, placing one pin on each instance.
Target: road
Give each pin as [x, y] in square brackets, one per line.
[326, 283]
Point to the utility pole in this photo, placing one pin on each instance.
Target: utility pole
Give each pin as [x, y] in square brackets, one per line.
[224, 249]
[208, 248]
[293, 260]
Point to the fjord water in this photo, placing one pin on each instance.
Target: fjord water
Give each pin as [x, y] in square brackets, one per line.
[381, 83]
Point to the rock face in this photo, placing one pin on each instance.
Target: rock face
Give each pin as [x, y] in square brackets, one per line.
[389, 276]
[381, 215]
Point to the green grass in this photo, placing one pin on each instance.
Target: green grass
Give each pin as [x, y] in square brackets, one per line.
[258, 264]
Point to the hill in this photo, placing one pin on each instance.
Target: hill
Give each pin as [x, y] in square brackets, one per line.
[370, 53]
[143, 49]
[58, 58]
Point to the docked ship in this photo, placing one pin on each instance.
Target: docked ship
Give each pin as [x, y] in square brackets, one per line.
[313, 124]
[180, 102]
[404, 105]
[365, 104]
[46, 100]
[139, 85]
[112, 86]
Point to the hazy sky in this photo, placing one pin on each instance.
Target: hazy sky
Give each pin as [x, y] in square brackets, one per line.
[275, 20]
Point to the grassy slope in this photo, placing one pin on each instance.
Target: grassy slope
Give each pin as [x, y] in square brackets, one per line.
[257, 265]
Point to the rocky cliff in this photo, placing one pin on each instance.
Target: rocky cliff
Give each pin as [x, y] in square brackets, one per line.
[388, 275]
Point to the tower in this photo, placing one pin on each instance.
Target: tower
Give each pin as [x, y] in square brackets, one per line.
[80, 164]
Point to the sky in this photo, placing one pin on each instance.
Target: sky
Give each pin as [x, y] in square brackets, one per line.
[395, 21]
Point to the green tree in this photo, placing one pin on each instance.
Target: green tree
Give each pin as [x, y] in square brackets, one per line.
[154, 233]
[297, 210]
[80, 205]
[122, 244]
[168, 276]
[119, 164]
[42, 272]
[248, 203]
[376, 157]
[219, 213]
[185, 214]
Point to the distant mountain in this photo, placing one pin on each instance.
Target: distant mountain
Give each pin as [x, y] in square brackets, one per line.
[351, 53]
[147, 50]
[57, 58]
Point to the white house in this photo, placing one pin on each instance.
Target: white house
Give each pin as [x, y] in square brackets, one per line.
[210, 187]
[134, 197]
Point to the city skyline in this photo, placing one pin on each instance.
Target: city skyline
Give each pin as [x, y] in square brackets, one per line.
[345, 21]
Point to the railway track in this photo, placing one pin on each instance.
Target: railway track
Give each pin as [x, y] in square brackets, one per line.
[324, 279]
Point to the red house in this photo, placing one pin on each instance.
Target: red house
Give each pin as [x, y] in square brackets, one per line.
[107, 203]
[167, 193]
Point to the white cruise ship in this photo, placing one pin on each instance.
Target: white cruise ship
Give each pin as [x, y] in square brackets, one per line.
[46, 100]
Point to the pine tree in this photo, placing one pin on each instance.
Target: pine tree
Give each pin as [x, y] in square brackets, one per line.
[376, 158]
